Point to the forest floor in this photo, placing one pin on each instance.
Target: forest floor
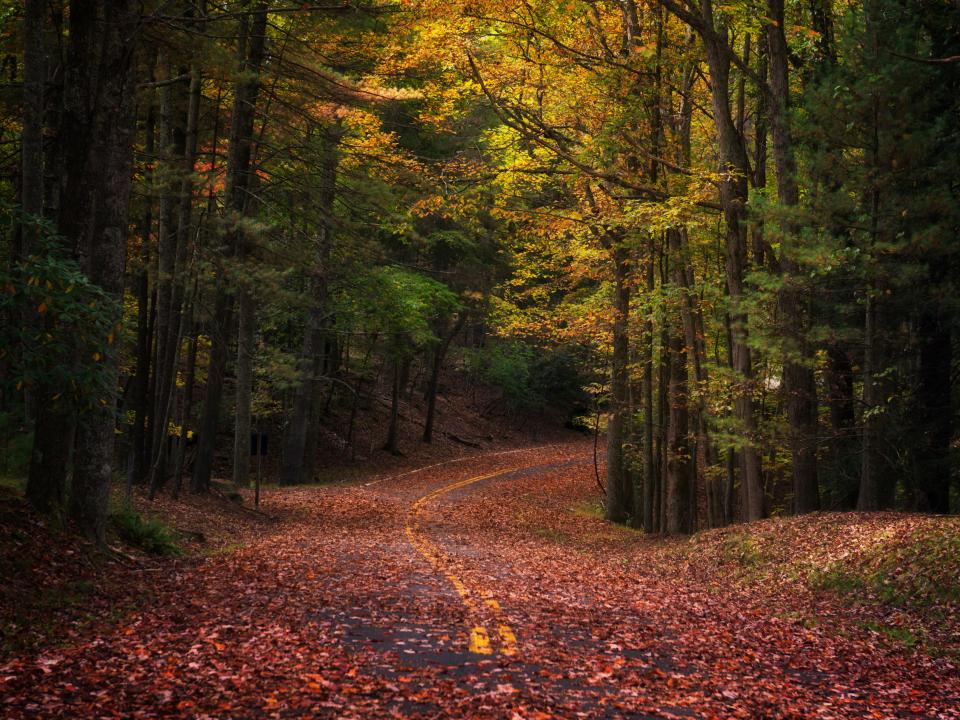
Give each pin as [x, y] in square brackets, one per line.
[488, 586]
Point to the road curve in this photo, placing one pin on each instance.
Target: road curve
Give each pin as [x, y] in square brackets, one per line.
[479, 588]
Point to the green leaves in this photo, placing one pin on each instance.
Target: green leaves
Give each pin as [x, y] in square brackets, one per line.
[63, 326]
[398, 303]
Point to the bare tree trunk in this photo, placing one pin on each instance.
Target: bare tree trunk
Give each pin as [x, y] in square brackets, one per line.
[246, 333]
[733, 198]
[246, 92]
[178, 248]
[619, 484]
[356, 397]
[935, 406]
[142, 387]
[94, 212]
[216, 368]
[31, 134]
[663, 405]
[649, 468]
[438, 356]
[296, 441]
[171, 141]
[393, 431]
[869, 495]
[798, 378]
[183, 419]
[52, 420]
[678, 479]
[52, 108]
[50, 456]
[242, 425]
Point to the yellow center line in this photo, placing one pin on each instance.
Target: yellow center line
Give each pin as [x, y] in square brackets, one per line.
[479, 637]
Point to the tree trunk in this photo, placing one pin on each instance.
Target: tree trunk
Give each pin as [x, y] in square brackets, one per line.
[935, 411]
[619, 501]
[31, 134]
[798, 378]
[183, 419]
[171, 141]
[649, 468]
[393, 431]
[843, 447]
[869, 495]
[434, 382]
[678, 478]
[733, 198]
[93, 212]
[216, 369]
[170, 335]
[314, 429]
[242, 424]
[239, 169]
[50, 456]
[663, 407]
[295, 443]
[52, 108]
[144, 322]
[52, 420]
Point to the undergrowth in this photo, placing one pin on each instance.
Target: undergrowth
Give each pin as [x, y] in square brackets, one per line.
[920, 570]
[144, 532]
[897, 574]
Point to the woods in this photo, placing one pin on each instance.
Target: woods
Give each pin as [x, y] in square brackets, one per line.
[742, 217]
[724, 175]
[517, 359]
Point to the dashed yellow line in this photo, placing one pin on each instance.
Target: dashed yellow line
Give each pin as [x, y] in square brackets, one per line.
[479, 637]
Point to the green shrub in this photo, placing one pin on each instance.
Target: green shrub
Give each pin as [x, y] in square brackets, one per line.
[530, 378]
[742, 549]
[144, 532]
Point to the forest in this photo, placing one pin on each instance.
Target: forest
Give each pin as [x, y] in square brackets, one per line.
[662, 287]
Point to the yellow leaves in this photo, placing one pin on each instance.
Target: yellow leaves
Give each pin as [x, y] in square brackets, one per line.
[425, 206]
[97, 357]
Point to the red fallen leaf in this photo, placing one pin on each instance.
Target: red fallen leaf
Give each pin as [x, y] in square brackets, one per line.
[317, 679]
[570, 594]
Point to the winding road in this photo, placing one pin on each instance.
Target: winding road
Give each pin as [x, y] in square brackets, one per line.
[479, 587]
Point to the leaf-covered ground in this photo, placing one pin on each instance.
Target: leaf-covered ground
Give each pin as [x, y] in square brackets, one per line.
[483, 588]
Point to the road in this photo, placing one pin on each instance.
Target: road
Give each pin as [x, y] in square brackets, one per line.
[480, 587]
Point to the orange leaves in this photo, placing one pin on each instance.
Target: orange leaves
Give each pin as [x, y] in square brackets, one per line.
[328, 613]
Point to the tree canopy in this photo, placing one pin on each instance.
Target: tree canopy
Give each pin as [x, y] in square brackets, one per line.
[724, 233]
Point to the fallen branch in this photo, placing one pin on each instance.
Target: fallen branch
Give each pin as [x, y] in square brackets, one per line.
[463, 441]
